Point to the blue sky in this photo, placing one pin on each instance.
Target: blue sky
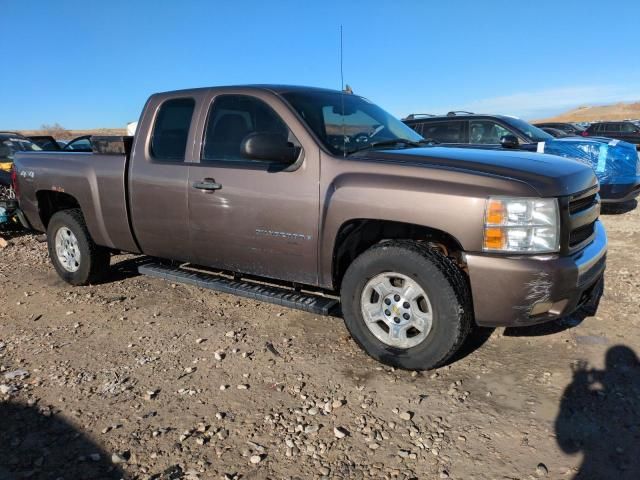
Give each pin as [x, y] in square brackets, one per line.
[93, 64]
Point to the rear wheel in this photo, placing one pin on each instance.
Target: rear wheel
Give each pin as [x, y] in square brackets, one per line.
[406, 305]
[75, 256]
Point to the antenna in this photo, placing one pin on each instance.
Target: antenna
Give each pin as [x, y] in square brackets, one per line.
[344, 131]
[341, 62]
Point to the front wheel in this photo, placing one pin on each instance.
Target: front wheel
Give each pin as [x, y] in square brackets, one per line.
[406, 305]
[75, 256]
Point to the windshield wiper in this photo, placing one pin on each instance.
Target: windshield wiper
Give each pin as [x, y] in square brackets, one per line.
[385, 143]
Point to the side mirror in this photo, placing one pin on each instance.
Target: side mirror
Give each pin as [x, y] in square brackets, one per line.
[509, 141]
[268, 147]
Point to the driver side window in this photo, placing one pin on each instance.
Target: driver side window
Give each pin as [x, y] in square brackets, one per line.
[486, 132]
[231, 119]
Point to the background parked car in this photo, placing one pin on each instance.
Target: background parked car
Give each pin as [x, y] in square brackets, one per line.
[79, 144]
[554, 132]
[617, 165]
[10, 143]
[568, 128]
[478, 130]
[45, 142]
[627, 131]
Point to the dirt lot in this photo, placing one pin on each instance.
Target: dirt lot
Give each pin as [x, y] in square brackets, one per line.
[137, 378]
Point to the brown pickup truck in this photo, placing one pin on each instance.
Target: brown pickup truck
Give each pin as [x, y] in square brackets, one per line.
[320, 200]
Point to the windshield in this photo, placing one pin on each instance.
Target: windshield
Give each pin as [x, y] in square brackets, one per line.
[9, 145]
[346, 123]
[533, 133]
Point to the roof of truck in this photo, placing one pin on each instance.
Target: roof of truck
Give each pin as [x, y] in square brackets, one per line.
[276, 88]
[424, 117]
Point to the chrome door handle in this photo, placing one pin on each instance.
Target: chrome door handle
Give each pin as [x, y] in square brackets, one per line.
[208, 184]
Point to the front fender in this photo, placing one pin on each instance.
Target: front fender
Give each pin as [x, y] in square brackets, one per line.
[450, 201]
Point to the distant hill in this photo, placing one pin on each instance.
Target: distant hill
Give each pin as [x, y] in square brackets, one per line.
[70, 134]
[616, 111]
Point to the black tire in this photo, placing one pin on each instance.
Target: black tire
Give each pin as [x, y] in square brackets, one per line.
[94, 260]
[442, 281]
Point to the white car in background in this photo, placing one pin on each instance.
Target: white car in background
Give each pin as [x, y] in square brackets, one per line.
[131, 128]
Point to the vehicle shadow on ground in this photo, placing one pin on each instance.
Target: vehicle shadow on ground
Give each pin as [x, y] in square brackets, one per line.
[618, 208]
[551, 328]
[125, 269]
[9, 232]
[599, 417]
[45, 446]
[476, 339]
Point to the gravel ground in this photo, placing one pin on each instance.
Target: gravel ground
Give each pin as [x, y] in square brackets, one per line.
[137, 378]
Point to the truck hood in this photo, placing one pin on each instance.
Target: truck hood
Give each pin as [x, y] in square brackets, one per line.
[549, 175]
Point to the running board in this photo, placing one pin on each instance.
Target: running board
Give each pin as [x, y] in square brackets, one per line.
[256, 291]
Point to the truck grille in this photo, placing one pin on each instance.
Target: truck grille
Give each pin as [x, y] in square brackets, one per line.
[581, 234]
[577, 206]
[579, 216]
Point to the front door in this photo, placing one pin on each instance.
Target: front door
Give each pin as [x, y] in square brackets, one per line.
[629, 132]
[251, 216]
[487, 134]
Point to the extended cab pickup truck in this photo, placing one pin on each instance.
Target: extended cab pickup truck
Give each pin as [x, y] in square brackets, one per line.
[321, 200]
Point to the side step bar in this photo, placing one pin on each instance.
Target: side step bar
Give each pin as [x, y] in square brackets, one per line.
[265, 293]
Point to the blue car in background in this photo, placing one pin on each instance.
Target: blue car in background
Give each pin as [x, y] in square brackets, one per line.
[616, 163]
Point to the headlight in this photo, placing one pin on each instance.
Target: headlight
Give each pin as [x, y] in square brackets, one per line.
[521, 225]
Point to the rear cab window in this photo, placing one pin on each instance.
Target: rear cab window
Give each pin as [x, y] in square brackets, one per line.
[171, 130]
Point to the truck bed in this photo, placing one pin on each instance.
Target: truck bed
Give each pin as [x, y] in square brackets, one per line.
[96, 181]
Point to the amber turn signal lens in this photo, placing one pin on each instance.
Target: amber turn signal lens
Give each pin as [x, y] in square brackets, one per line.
[495, 212]
[494, 239]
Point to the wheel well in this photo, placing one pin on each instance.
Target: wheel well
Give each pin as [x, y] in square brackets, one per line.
[50, 202]
[356, 236]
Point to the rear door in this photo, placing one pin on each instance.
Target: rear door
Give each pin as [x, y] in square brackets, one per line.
[447, 132]
[593, 130]
[263, 218]
[159, 175]
[611, 130]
